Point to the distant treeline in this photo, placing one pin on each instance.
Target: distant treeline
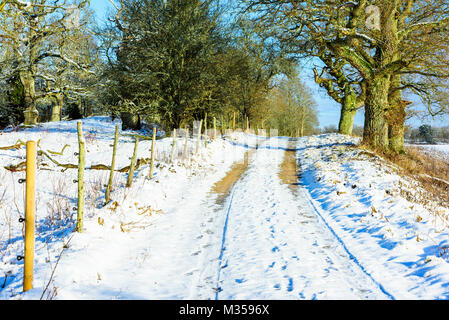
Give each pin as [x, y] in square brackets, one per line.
[427, 134]
[423, 134]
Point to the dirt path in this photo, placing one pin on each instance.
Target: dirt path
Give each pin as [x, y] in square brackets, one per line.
[274, 245]
[289, 172]
[222, 188]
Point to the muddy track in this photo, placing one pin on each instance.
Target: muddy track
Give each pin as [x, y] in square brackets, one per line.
[223, 187]
[289, 172]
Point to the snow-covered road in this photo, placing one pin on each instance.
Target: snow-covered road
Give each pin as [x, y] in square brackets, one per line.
[275, 245]
[265, 241]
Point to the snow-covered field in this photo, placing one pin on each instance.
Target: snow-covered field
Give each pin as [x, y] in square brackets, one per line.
[441, 150]
[344, 232]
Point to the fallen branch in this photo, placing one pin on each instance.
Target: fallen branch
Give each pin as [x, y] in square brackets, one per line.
[17, 168]
[67, 166]
[22, 165]
[59, 153]
[18, 145]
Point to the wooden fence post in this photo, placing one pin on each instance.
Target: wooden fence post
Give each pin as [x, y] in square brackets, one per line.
[30, 203]
[173, 149]
[215, 128]
[81, 165]
[129, 183]
[205, 131]
[233, 123]
[153, 145]
[198, 139]
[111, 174]
[222, 127]
[186, 142]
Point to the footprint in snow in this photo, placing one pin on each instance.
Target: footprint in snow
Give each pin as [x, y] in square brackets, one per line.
[240, 280]
[290, 285]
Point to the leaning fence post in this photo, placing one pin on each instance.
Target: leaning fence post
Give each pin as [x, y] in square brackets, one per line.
[186, 142]
[222, 127]
[153, 144]
[30, 203]
[129, 183]
[81, 164]
[205, 131]
[111, 175]
[173, 149]
[198, 139]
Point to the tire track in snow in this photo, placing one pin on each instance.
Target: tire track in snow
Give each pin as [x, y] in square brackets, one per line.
[310, 200]
[345, 248]
[212, 241]
[269, 251]
[220, 257]
[274, 261]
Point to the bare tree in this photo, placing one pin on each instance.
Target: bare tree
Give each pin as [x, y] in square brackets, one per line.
[291, 108]
[28, 30]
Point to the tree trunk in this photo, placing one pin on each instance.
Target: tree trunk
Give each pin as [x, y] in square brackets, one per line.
[348, 113]
[27, 78]
[31, 113]
[375, 134]
[396, 128]
[56, 109]
[130, 121]
[396, 118]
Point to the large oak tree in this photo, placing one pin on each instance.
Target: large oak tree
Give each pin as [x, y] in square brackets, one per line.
[392, 44]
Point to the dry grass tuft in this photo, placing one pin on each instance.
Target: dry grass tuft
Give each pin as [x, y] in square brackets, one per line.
[430, 171]
[59, 210]
[90, 138]
[418, 162]
[425, 178]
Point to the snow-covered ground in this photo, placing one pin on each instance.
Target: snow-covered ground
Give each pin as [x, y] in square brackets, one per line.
[441, 150]
[399, 243]
[342, 232]
[108, 230]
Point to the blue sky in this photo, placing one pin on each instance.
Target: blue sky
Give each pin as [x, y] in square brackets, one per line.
[100, 7]
[329, 112]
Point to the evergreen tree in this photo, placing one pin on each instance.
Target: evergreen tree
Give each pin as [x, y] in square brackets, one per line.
[161, 64]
